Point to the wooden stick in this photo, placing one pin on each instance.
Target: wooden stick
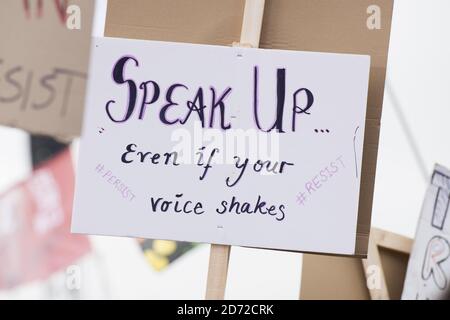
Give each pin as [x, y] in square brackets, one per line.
[220, 254]
[252, 22]
[219, 258]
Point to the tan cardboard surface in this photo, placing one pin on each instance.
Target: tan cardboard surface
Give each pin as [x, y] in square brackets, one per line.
[333, 278]
[341, 278]
[311, 25]
[394, 264]
[214, 22]
[43, 66]
[339, 26]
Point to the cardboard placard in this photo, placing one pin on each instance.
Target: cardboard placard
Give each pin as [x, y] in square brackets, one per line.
[234, 167]
[380, 276]
[311, 25]
[43, 64]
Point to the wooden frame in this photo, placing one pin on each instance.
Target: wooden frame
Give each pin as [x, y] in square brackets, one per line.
[333, 277]
[380, 240]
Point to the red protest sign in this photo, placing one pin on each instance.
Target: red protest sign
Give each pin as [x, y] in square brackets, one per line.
[35, 238]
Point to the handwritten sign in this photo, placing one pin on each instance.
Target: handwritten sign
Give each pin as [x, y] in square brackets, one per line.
[428, 275]
[199, 143]
[44, 56]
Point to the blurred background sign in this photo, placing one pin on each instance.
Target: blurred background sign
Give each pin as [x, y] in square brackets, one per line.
[161, 253]
[35, 238]
[44, 57]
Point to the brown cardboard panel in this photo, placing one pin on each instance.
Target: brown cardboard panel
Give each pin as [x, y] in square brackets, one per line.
[333, 278]
[215, 22]
[311, 25]
[43, 66]
[394, 264]
[341, 278]
[339, 26]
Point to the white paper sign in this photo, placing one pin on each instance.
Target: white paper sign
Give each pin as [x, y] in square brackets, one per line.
[250, 147]
[428, 275]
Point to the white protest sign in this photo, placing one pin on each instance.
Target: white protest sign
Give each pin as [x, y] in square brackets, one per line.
[236, 146]
[428, 275]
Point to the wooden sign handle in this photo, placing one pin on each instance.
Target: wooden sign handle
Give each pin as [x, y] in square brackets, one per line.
[252, 23]
[220, 254]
